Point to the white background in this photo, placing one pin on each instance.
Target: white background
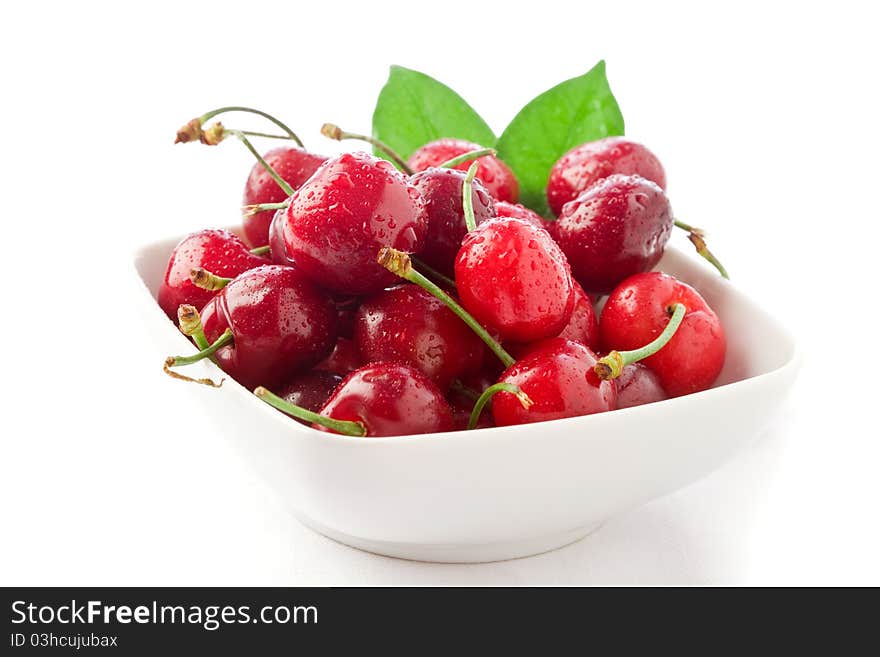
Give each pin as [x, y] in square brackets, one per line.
[764, 115]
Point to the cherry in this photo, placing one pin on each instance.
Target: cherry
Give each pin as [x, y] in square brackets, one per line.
[637, 311]
[270, 323]
[380, 399]
[638, 385]
[617, 228]
[512, 276]
[344, 358]
[518, 211]
[559, 379]
[218, 251]
[441, 190]
[584, 165]
[311, 390]
[344, 214]
[582, 327]
[408, 325]
[492, 172]
[295, 166]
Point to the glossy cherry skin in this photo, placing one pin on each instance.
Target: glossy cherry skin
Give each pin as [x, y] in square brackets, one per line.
[344, 358]
[558, 377]
[638, 385]
[390, 399]
[511, 276]
[518, 211]
[637, 311]
[584, 165]
[295, 166]
[441, 192]
[218, 251]
[277, 246]
[617, 228]
[583, 326]
[310, 390]
[282, 323]
[495, 175]
[406, 324]
[344, 214]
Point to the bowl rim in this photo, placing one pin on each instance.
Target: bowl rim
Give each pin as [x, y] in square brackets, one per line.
[488, 433]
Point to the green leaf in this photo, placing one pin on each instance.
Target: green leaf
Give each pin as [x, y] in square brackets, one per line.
[571, 113]
[413, 109]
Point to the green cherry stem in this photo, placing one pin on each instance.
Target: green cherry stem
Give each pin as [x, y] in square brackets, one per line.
[345, 427]
[261, 250]
[250, 210]
[207, 116]
[489, 392]
[399, 264]
[205, 280]
[190, 323]
[277, 178]
[335, 132]
[433, 273]
[466, 201]
[179, 361]
[698, 238]
[467, 157]
[460, 388]
[611, 366]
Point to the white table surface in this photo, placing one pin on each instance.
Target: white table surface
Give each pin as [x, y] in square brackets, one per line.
[108, 475]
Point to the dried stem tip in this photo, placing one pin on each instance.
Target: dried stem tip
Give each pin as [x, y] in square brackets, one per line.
[193, 131]
[205, 280]
[397, 262]
[609, 367]
[188, 319]
[331, 131]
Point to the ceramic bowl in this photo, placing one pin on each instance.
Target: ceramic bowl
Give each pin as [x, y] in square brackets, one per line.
[503, 492]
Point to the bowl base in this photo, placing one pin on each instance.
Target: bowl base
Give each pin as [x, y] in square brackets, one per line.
[455, 552]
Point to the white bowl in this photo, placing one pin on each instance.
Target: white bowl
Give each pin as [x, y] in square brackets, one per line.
[504, 492]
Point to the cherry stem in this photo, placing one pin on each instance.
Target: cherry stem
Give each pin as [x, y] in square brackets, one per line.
[222, 110]
[251, 210]
[698, 238]
[433, 273]
[335, 132]
[261, 250]
[490, 392]
[460, 388]
[345, 427]
[190, 323]
[466, 201]
[467, 157]
[205, 280]
[179, 361]
[277, 178]
[611, 366]
[399, 263]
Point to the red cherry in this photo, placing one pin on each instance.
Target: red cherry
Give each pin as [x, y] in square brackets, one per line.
[344, 214]
[584, 165]
[281, 324]
[513, 277]
[518, 211]
[408, 325]
[389, 399]
[637, 311]
[559, 379]
[492, 172]
[310, 390]
[441, 190]
[217, 251]
[638, 385]
[617, 228]
[582, 327]
[344, 358]
[295, 166]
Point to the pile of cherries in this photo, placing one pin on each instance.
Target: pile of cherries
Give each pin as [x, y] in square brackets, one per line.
[383, 297]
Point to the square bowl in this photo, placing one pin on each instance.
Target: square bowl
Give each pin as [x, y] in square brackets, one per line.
[504, 492]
